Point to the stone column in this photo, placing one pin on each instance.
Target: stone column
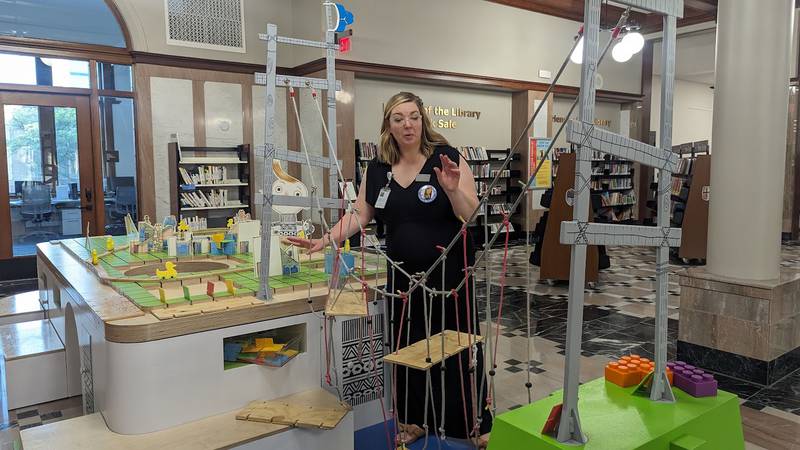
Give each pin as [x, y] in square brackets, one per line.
[751, 95]
[740, 315]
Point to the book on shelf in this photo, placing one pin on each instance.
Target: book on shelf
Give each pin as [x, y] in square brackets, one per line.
[200, 199]
[207, 175]
[367, 150]
[474, 153]
[482, 186]
[617, 198]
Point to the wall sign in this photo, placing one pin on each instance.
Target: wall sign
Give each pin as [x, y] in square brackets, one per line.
[446, 112]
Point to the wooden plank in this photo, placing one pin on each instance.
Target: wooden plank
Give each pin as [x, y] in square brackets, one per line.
[346, 303]
[415, 355]
[220, 431]
[310, 409]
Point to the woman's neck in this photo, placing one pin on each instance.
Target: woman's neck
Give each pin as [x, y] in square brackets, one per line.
[410, 154]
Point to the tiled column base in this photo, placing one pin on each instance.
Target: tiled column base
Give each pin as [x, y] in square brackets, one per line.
[743, 328]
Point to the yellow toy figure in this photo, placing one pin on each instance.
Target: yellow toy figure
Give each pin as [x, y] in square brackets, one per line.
[169, 271]
[94, 257]
[183, 226]
[347, 245]
[109, 244]
[230, 223]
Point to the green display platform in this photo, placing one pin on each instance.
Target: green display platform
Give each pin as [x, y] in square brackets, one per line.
[614, 419]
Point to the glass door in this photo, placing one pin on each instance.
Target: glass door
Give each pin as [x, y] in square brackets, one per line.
[46, 170]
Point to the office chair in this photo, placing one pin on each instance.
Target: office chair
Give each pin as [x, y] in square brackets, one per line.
[36, 210]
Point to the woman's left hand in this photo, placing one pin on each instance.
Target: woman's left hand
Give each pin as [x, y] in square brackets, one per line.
[448, 175]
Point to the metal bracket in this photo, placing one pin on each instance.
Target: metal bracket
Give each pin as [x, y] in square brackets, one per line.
[296, 82]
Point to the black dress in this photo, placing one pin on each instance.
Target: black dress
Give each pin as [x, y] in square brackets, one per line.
[417, 219]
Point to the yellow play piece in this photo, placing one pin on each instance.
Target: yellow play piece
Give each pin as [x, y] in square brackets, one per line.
[94, 257]
[109, 244]
[263, 345]
[169, 271]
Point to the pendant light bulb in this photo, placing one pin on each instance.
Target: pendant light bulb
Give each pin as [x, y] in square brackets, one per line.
[634, 42]
[620, 52]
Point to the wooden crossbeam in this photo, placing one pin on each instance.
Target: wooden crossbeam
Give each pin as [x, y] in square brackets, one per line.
[309, 409]
[415, 355]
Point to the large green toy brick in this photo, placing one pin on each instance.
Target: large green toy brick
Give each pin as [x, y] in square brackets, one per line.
[613, 418]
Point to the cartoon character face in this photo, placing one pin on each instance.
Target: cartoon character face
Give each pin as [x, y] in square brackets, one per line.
[295, 189]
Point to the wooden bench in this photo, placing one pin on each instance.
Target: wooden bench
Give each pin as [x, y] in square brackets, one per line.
[21, 308]
[35, 363]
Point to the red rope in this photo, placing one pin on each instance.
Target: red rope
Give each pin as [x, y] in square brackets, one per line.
[460, 365]
[502, 296]
[404, 297]
[469, 318]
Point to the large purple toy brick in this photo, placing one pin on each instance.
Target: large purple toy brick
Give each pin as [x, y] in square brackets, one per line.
[692, 380]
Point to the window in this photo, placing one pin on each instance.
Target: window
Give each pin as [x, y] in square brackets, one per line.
[80, 21]
[114, 77]
[24, 69]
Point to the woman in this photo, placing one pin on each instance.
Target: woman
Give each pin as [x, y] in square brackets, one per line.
[420, 188]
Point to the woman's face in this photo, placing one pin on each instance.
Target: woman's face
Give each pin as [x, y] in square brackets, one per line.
[405, 124]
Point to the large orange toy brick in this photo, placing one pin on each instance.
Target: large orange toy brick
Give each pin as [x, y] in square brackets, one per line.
[623, 374]
[630, 370]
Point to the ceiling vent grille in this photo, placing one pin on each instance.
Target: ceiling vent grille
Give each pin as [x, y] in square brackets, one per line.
[207, 24]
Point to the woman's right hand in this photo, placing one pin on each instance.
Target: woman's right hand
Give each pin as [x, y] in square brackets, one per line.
[311, 245]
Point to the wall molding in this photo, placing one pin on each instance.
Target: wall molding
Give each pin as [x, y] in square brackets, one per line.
[438, 77]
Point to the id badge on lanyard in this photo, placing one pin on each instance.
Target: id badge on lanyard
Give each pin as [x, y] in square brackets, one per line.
[383, 196]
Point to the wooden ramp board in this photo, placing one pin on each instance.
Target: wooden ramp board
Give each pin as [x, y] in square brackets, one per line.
[309, 409]
[346, 303]
[415, 355]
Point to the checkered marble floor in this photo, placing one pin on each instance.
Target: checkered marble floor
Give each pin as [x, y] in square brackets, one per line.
[618, 319]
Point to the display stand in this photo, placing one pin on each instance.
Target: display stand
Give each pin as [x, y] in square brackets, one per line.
[555, 260]
[695, 217]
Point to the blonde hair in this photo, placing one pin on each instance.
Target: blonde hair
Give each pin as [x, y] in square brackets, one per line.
[389, 151]
[279, 172]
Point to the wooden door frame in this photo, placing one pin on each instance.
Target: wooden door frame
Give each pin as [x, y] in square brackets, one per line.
[86, 158]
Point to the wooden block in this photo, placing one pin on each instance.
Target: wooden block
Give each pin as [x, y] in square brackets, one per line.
[346, 303]
[210, 288]
[415, 355]
[186, 312]
[213, 307]
[163, 313]
[309, 409]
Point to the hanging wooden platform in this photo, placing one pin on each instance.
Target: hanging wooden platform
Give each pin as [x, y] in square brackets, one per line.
[416, 354]
[346, 303]
[310, 409]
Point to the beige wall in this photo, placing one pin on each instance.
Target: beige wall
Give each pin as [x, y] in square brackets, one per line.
[603, 111]
[147, 25]
[491, 130]
[467, 36]
[475, 37]
[692, 111]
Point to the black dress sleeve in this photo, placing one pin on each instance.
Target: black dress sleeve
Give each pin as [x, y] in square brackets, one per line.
[376, 180]
[451, 153]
